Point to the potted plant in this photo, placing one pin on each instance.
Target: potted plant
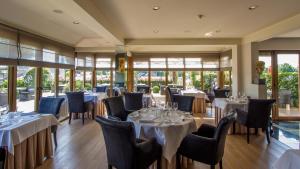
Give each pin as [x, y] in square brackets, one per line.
[260, 67]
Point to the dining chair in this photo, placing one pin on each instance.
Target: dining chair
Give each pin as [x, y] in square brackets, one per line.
[258, 116]
[143, 88]
[123, 150]
[115, 107]
[185, 103]
[100, 89]
[171, 94]
[133, 101]
[207, 144]
[2, 157]
[221, 93]
[51, 105]
[78, 105]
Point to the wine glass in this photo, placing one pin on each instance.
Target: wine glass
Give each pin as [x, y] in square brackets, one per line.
[175, 106]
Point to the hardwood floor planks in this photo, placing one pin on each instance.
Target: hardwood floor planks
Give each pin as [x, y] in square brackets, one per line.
[82, 147]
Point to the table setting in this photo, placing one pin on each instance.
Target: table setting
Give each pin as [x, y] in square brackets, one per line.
[199, 105]
[26, 133]
[165, 123]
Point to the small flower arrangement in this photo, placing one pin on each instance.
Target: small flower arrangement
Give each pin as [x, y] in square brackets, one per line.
[260, 67]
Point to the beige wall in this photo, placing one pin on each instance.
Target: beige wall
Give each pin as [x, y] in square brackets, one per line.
[280, 44]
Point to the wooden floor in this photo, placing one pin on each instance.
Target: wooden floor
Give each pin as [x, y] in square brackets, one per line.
[82, 147]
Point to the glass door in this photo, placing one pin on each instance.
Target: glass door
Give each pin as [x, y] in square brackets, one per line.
[287, 85]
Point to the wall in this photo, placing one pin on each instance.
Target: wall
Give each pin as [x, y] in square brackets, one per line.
[280, 44]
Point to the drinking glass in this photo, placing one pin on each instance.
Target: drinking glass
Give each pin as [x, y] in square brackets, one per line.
[175, 106]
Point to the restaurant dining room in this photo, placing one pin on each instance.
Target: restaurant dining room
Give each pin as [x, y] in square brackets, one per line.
[156, 84]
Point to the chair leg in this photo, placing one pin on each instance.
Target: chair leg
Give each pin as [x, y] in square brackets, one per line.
[248, 135]
[268, 135]
[83, 118]
[256, 131]
[233, 127]
[70, 117]
[158, 165]
[212, 166]
[55, 139]
[109, 166]
[178, 165]
[220, 164]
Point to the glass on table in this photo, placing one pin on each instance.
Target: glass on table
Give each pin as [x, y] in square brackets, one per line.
[175, 106]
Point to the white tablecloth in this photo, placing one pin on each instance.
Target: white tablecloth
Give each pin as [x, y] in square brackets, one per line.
[167, 134]
[289, 160]
[227, 106]
[20, 128]
[196, 93]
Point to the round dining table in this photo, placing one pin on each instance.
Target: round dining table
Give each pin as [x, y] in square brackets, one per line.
[169, 129]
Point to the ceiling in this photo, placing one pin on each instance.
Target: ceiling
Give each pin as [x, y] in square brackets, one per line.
[292, 34]
[105, 24]
[179, 19]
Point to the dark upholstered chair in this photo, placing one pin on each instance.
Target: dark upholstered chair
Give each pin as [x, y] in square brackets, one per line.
[133, 101]
[2, 157]
[101, 89]
[51, 105]
[77, 104]
[258, 116]
[123, 150]
[114, 92]
[221, 93]
[185, 103]
[144, 88]
[115, 107]
[207, 144]
[171, 94]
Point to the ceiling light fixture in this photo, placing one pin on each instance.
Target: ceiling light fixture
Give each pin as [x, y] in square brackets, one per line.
[155, 8]
[155, 31]
[253, 7]
[208, 34]
[76, 22]
[200, 16]
[58, 11]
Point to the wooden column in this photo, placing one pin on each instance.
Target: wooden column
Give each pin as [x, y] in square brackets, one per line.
[275, 113]
[12, 86]
[130, 79]
[38, 87]
[84, 77]
[56, 81]
[94, 77]
[202, 80]
[149, 75]
[72, 77]
[221, 79]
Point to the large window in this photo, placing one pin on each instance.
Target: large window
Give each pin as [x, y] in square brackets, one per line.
[25, 88]
[193, 80]
[103, 77]
[3, 88]
[158, 62]
[175, 63]
[79, 80]
[103, 62]
[88, 80]
[175, 78]
[48, 82]
[141, 77]
[210, 80]
[63, 81]
[48, 55]
[158, 79]
[193, 63]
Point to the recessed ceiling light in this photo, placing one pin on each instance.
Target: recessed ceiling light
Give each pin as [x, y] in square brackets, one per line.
[76, 22]
[155, 31]
[155, 8]
[187, 31]
[200, 16]
[58, 11]
[208, 34]
[218, 31]
[253, 7]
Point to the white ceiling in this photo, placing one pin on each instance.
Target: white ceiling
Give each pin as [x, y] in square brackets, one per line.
[232, 17]
[292, 34]
[106, 23]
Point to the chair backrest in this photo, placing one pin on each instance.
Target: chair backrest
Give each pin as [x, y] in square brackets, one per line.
[133, 101]
[144, 88]
[221, 93]
[100, 89]
[119, 137]
[169, 93]
[114, 92]
[76, 102]
[259, 111]
[115, 107]
[221, 133]
[185, 103]
[50, 105]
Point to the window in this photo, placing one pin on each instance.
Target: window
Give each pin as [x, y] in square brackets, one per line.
[141, 77]
[103, 62]
[63, 81]
[48, 55]
[28, 52]
[141, 64]
[79, 80]
[25, 88]
[89, 62]
[103, 77]
[193, 80]
[175, 63]
[48, 82]
[175, 78]
[88, 80]
[211, 64]
[210, 80]
[158, 62]
[3, 88]
[193, 63]
[79, 62]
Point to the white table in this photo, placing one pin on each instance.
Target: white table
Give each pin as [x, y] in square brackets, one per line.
[168, 134]
[289, 160]
[26, 136]
[199, 105]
